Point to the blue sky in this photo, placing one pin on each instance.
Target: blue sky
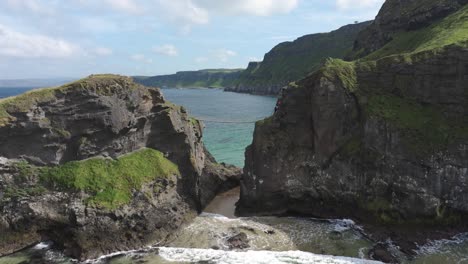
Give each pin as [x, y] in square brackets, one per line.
[75, 38]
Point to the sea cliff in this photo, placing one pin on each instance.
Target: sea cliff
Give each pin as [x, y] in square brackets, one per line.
[101, 165]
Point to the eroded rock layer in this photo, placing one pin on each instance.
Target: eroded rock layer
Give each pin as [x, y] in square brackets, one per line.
[100, 165]
[385, 141]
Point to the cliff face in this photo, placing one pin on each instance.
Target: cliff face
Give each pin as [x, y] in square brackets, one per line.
[291, 61]
[217, 78]
[382, 140]
[399, 16]
[100, 165]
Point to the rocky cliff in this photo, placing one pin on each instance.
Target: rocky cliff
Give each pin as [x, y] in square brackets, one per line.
[383, 140]
[291, 61]
[100, 165]
[214, 78]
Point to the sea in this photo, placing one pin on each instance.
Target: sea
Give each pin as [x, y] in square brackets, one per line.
[228, 120]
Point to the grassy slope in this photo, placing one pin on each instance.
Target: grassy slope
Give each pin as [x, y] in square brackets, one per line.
[110, 182]
[192, 79]
[450, 30]
[291, 61]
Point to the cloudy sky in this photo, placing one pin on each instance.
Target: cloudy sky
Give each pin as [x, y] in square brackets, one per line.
[75, 38]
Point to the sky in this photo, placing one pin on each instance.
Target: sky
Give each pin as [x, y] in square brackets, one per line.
[76, 38]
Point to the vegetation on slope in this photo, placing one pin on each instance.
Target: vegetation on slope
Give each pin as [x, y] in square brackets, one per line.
[424, 127]
[23, 103]
[215, 78]
[452, 29]
[290, 61]
[110, 182]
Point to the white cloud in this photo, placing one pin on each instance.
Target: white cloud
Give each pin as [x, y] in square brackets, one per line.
[183, 12]
[141, 58]
[187, 13]
[168, 50]
[201, 59]
[224, 54]
[97, 25]
[250, 7]
[128, 6]
[34, 6]
[17, 44]
[103, 51]
[356, 4]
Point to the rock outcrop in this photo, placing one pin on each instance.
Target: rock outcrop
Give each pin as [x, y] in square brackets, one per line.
[100, 165]
[382, 141]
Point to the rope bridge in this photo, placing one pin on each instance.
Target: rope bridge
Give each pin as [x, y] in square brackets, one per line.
[226, 121]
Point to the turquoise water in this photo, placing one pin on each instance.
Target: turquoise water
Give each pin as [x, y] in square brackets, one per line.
[226, 141]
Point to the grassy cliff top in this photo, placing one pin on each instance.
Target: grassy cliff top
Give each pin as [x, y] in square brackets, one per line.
[452, 29]
[101, 84]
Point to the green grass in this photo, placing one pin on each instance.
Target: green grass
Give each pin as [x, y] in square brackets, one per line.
[213, 78]
[423, 127]
[110, 182]
[23, 102]
[19, 192]
[265, 121]
[453, 29]
[345, 72]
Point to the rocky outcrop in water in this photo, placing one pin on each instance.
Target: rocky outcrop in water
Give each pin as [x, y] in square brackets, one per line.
[100, 165]
[382, 141]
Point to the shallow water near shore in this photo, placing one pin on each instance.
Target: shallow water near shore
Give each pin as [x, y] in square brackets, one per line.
[271, 240]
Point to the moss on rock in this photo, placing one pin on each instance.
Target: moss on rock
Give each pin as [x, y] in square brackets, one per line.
[343, 71]
[110, 182]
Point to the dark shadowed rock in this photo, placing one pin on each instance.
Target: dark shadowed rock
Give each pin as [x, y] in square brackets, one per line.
[239, 241]
[383, 142]
[381, 252]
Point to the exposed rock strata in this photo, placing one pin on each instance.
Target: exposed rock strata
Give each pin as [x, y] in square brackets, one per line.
[384, 142]
[103, 116]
